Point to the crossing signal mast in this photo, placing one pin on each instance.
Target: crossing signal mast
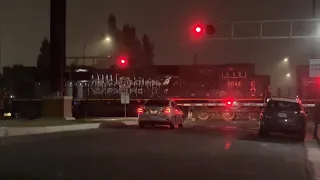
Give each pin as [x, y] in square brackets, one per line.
[200, 31]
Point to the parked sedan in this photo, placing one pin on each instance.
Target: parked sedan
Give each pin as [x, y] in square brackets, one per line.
[160, 112]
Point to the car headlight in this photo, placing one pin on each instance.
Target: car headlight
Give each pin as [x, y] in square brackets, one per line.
[7, 114]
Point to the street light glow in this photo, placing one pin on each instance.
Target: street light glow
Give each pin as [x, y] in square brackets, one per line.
[108, 39]
[288, 75]
[286, 59]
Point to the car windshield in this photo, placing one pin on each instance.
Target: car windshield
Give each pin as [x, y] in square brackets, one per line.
[157, 103]
[283, 106]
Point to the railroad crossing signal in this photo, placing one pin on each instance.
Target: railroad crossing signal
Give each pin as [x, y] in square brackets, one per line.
[123, 62]
[201, 30]
[198, 29]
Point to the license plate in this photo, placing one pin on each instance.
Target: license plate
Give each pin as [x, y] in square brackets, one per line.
[282, 115]
[153, 112]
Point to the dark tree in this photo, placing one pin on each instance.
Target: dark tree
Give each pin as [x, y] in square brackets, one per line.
[112, 23]
[148, 49]
[132, 37]
[126, 35]
[126, 42]
[43, 61]
[115, 34]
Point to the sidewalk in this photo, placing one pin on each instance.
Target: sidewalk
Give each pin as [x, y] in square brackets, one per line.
[19, 131]
[42, 126]
[310, 129]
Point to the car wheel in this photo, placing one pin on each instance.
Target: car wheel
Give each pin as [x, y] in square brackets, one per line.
[173, 124]
[141, 125]
[181, 122]
[263, 132]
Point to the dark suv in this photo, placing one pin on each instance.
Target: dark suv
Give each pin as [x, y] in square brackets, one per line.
[283, 115]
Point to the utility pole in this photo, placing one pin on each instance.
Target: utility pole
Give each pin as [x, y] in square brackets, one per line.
[1, 47]
[58, 45]
[84, 53]
[314, 8]
[314, 15]
[1, 40]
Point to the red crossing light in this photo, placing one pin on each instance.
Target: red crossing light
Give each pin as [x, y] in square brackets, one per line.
[229, 102]
[122, 62]
[202, 29]
[198, 29]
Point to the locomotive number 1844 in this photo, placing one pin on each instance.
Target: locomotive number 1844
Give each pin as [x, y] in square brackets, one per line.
[234, 83]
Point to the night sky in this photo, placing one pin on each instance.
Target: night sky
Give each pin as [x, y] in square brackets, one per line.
[25, 22]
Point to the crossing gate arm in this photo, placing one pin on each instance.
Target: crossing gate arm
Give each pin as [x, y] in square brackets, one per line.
[222, 104]
[235, 105]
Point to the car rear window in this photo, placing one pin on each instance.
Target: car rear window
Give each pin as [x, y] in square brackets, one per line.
[157, 103]
[283, 106]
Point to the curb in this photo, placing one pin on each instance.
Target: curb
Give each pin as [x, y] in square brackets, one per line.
[118, 124]
[115, 119]
[112, 124]
[19, 131]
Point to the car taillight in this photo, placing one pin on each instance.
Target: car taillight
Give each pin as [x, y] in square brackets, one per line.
[167, 111]
[140, 110]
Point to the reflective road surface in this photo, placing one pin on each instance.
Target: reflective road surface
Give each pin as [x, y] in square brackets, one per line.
[213, 153]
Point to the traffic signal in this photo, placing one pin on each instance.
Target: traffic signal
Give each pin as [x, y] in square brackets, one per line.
[197, 29]
[122, 61]
[200, 29]
[210, 30]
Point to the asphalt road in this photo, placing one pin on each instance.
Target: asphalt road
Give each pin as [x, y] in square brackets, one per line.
[155, 154]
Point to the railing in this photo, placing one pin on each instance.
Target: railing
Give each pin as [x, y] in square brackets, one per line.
[267, 29]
